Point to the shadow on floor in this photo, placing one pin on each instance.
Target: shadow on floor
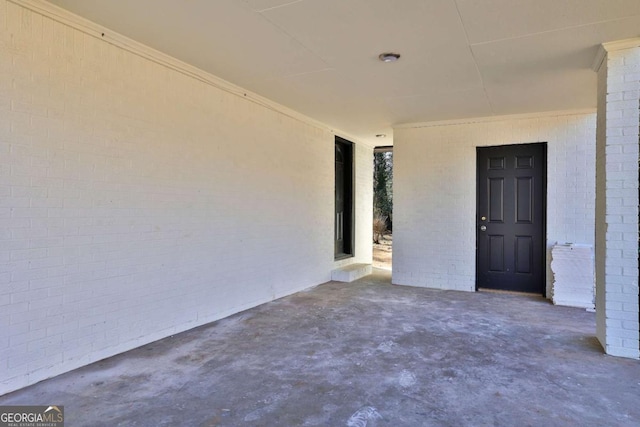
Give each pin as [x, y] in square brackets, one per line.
[362, 354]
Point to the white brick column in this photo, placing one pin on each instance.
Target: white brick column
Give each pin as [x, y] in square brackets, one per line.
[617, 311]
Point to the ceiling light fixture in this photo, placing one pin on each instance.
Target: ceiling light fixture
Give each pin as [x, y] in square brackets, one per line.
[389, 57]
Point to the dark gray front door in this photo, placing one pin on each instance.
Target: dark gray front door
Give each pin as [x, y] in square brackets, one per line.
[510, 220]
[343, 198]
[340, 201]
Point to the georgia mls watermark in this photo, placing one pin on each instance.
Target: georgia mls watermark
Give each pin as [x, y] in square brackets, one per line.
[32, 416]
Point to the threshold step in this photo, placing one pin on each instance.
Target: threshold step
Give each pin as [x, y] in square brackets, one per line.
[351, 272]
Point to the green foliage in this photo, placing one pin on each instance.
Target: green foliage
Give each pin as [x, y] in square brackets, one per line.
[383, 184]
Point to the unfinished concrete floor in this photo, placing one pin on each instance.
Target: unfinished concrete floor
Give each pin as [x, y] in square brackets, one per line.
[362, 354]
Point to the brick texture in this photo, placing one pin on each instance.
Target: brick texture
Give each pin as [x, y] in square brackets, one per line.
[435, 192]
[617, 203]
[137, 201]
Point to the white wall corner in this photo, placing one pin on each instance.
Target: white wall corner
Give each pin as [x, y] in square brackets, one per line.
[599, 59]
[617, 199]
[610, 47]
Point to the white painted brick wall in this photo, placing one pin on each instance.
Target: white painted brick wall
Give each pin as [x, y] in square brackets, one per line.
[137, 201]
[617, 222]
[435, 191]
[601, 207]
[573, 275]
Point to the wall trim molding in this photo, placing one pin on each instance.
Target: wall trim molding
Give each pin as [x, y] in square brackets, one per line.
[488, 119]
[610, 47]
[90, 28]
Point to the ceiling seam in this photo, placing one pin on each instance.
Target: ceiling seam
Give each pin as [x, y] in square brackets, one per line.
[285, 32]
[455, 91]
[550, 31]
[304, 73]
[475, 60]
[276, 7]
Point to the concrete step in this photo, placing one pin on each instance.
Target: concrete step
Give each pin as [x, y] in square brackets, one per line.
[351, 272]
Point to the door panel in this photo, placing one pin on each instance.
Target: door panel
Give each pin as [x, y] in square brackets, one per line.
[339, 195]
[343, 237]
[511, 217]
[524, 252]
[524, 202]
[496, 253]
[496, 197]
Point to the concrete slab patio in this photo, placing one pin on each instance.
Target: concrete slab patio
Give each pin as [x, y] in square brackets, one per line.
[362, 354]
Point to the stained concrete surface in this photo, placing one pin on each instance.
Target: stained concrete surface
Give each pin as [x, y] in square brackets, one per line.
[362, 354]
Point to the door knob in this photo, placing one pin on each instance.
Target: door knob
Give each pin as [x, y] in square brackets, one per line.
[483, 228]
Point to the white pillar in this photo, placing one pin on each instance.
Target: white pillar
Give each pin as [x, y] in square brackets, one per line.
[617, 301]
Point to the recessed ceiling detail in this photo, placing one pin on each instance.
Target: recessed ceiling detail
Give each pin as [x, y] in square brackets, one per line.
[389, 57]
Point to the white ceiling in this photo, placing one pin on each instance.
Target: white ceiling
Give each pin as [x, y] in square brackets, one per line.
[460, 58]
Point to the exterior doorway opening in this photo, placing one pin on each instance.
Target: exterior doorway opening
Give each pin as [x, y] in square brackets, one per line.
[511, 218]
[344, 225]
[383, 207]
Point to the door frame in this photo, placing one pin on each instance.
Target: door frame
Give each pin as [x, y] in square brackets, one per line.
[348, 149]
[543, 242]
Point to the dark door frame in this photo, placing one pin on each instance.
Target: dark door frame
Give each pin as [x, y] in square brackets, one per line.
[348, 221]
[543, 242]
